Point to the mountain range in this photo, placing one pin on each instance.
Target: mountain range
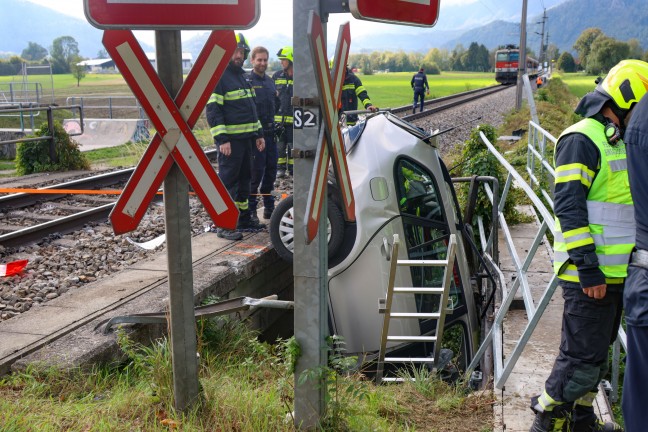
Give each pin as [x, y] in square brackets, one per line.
[621, 19]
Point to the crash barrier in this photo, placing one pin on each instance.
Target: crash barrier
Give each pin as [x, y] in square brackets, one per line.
[49, 111]
[540, 150]
[109, 106]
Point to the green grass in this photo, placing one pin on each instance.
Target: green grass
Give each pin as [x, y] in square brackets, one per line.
[246, 386]
[394, 90]
[579, 83]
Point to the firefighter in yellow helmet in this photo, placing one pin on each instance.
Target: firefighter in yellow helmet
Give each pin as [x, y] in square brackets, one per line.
[236, 130]
[593, 238]
[283, 80]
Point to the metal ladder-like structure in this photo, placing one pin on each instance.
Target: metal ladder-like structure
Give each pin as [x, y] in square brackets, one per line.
[386, 308]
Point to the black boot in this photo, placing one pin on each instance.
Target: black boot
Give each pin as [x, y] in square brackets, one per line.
[247, 223]
[556, 420]
[586, 421]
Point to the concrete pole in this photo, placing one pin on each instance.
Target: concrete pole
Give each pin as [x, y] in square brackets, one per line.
[310, 261]
[522, 61]
[182, 324]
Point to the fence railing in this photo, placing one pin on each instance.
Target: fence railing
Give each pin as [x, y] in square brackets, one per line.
[24, 92]
[49, 110]
[108, 106]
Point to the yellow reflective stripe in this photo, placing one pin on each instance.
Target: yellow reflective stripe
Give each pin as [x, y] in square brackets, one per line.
[576, 231]
[366, 102]
[242, 205]
[217, 130]
[578, 243]
[215, 98]
[348, 87]
[238, 94]
[283, 119]
[574, 172]
[234, 129]
[283, 81]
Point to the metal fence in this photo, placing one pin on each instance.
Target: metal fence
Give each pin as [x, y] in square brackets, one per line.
[108, 106]
[541, 174]
[21, 92]
[49, 110]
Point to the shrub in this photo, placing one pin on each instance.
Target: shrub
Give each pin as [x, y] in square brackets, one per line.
[34, 157]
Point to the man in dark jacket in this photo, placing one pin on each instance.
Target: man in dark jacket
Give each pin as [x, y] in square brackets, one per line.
[352, 90]
[635, 295]
[264, 166]
[235, 127]
[593, 238]
[283, 80]
[420, 86]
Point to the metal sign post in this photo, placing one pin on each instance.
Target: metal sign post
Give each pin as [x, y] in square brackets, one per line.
[310, 263]
[174, 150]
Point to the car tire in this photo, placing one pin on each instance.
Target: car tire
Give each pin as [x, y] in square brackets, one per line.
[282, 229]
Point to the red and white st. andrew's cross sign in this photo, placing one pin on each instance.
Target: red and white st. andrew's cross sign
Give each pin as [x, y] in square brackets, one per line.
[424, 13]
[329, 94]
[174, 140]
[172, 14]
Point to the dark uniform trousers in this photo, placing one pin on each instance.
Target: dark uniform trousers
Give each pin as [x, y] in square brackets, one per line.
[635, 380]
[235, 171]
[264, 172]
[419, 94]
[590, 326]
[284, 149]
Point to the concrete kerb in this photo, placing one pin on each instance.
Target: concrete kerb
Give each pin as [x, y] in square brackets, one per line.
[222, 269]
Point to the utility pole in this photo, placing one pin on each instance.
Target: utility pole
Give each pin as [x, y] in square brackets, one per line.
[542, 45]
[522, 59]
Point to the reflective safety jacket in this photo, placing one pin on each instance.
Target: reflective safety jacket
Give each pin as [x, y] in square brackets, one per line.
[265, 94]
[284, 84]
[231, 110]
[609, 226]
[352, 90]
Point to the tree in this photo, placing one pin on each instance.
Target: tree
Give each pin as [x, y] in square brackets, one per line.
[78, 70]
[102, 54]
[605, 52]
[64, 50]
[584, 43]
[635, 50]
[552, 53]
[566, 62]
[34, 52]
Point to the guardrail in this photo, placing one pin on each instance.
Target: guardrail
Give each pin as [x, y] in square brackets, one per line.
[50, 124]
[541, 173]
[109, 103]
[13, 92]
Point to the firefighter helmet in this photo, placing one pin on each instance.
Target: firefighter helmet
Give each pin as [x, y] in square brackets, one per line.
[624, 85]
[243, 44]
[286, 53]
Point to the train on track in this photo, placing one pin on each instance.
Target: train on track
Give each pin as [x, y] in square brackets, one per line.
[507, 61]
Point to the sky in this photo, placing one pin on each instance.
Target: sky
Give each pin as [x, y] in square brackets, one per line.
[272, 12]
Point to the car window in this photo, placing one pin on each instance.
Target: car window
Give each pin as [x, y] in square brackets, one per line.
[426, 231]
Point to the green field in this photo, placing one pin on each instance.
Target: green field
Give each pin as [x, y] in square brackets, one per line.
[392, 90]
[385, 90]
[579, 83]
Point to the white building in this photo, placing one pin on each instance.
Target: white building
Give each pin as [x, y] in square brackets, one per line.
[187, 60]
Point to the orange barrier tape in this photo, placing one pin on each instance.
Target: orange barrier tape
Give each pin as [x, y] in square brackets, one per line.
[88, 192]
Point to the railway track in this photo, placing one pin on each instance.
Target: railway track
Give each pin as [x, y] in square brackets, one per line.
[434, 106]
[30, 216]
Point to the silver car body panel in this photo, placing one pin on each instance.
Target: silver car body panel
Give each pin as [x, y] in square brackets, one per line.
[358, 282]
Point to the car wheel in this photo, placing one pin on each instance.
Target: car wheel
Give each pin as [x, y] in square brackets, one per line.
[282, 229]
